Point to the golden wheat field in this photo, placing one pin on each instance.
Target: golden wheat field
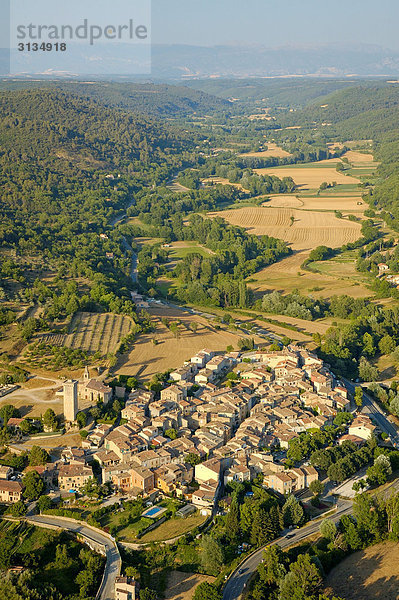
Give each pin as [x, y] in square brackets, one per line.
[287, 276]
[309, 177]
[359, 158]
[303, 230]
[222, 181]
[272, 150]
[342, 203]
[146, 359]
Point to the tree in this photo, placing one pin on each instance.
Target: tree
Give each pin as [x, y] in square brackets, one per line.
[207, 591]
[50, 419]
[292, 511]
[366, 371]
[81, 419]
[233, 522]
[38, 456]
[44, 503]
[211, 554]
[386, 344]
[321, 459]
[272, 569]
[368, 345]
[194, 326]
[343, 418]
[394, 405]
[192, 459]
[171, 433]
[33, 484]
[132, 383]
[25, 427]
[7, 411]
[148, 594]
[358, 396]
[18, 509]
[301, 581]
[133, 572]
[328, 529]
[380, 471]
[369, 516]
[316, 487]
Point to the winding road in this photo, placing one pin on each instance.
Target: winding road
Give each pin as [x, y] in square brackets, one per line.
[113, 564]
[236, 583]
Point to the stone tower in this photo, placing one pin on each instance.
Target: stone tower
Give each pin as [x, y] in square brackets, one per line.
[70, 399]
[86, 374]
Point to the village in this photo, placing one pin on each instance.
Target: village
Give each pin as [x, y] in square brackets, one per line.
[223, 417]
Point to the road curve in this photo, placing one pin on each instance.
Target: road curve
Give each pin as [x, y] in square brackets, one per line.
[113, 564]
[239, 578]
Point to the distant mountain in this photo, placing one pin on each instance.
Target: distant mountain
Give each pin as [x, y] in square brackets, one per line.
[257, 61]
[232, 61]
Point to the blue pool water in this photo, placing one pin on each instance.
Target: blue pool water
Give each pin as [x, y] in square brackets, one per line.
[153, 511]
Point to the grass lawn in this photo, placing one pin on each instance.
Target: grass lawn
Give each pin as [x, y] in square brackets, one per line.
[173, 528]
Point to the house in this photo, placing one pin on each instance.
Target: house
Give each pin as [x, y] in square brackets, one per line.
[142, 479]
[6, 472]
[172, 476]
[93, 390]
[281, 482]
[208, 470]
[74, 477]
[172, 394]
[47, 472]
[126, 588]
[362, 427]
[10, 491]
[237, 472]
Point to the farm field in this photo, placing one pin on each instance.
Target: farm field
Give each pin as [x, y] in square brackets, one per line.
[371, 574]
[287, 276]
[93, 332]
[222, 181]
[310, 176]
[146, 359]
[182, 249]
[342, 203]
[272, 150]
[308, 229]
[182, 585]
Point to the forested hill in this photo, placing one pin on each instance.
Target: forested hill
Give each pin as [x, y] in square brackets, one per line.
[67, 167]
[160, 100]
[363, 112]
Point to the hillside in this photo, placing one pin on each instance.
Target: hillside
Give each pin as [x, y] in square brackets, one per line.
[68, 167]
[160, 100]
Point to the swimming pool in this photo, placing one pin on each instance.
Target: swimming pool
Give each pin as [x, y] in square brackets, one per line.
[154, 511]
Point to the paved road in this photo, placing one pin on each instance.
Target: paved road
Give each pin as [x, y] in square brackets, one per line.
[238, 580]
[113, 564]
[375, 412]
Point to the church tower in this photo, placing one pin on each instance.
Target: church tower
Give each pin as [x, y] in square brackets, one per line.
[70, 400]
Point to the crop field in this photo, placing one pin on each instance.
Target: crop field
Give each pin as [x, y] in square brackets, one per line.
[310, 176]
[272, 150]
[222, 181]
[146, 359]
[182, 249]
[325, 202]
[367, 575]
[95, 332]
[303, 230]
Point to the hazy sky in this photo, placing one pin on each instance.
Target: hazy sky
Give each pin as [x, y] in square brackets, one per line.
[276, 22]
